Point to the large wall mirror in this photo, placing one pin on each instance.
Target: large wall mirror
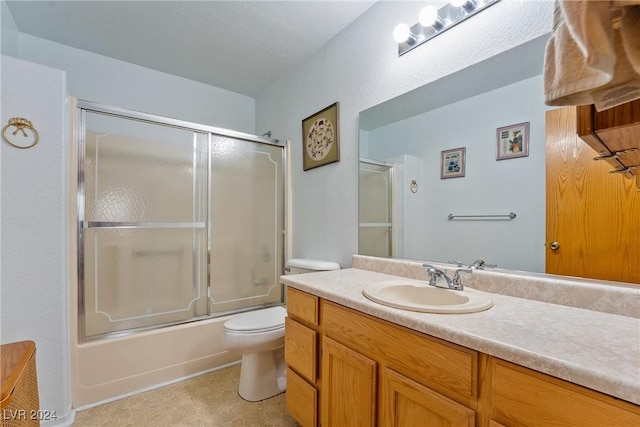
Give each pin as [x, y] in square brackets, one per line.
[408, 209]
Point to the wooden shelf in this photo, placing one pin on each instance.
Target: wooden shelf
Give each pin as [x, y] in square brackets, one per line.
[613, 130]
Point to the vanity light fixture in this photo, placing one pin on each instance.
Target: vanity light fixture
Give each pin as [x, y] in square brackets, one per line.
[434, 21]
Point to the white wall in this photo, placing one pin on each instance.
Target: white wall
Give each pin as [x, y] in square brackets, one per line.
[34, 219]
[8, 32]
[489, 186]
[108, 81]
[360, 68]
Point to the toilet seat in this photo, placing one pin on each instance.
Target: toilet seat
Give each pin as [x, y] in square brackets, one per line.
[265, 320]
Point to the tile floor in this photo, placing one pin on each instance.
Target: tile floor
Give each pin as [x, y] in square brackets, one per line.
[207, 400]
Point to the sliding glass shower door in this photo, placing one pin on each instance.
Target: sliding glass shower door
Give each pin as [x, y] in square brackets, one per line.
[175, 222]
[246, 239]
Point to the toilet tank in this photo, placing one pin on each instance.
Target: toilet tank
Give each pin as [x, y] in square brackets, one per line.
[300, 266]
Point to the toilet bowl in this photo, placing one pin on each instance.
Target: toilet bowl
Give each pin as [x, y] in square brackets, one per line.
[259, 335]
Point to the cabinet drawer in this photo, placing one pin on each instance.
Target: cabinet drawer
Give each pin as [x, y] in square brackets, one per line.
[302, 400]
[446, 368]
[521, 396]
[300, 348]
[303, 305]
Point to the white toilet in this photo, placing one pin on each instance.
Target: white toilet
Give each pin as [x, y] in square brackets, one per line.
[259, 335]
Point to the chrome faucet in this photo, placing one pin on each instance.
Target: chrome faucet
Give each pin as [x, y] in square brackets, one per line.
[455, 283]
[478, 264]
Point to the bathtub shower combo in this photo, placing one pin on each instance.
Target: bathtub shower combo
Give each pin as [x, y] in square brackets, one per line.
[176, 221]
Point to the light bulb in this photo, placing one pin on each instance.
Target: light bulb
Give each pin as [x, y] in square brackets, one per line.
[428, 16]
[401, 33]
[467, 5]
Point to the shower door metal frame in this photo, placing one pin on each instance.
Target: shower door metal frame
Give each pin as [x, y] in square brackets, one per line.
[82, 107]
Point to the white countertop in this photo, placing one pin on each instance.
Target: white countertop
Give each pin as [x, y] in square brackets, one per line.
[597, 350]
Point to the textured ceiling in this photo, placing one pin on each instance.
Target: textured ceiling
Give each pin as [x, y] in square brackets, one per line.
[242, 46]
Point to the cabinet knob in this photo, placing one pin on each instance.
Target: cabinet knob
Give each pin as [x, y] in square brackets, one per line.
[554, 246]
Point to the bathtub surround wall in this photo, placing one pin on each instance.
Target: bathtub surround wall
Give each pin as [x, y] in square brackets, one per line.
[35, 276]
[360, 68]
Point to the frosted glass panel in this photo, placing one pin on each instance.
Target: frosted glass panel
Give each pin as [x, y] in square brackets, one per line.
[246, 224]
[141, 172]
[142, 277]
[375, 193]
[374, 241]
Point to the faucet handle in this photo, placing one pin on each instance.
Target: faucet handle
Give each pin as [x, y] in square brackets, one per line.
[431, 269]
[457, 281]
[479, 264]
[434, 274]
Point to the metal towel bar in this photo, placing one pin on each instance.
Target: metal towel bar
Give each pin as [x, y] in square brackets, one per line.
[507, 217]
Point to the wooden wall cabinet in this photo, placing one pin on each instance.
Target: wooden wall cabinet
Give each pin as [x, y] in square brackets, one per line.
[371, 372]
[613, 130]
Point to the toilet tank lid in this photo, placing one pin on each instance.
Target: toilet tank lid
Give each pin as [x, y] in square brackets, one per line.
[313, 264]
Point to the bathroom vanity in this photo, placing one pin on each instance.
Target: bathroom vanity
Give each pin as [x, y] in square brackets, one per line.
[523, 362]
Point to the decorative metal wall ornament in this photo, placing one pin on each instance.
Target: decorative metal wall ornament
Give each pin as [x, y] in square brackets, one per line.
[21, 124]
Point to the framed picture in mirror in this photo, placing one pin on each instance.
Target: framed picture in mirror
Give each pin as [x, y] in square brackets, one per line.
[452, 163]
[321, 138]
[512, 141]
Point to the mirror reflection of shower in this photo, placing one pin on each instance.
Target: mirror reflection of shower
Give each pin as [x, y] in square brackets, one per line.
[375, 194]
[388, 199]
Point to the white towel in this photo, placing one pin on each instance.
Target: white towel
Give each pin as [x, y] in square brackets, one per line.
[587, 60]
[630, 33]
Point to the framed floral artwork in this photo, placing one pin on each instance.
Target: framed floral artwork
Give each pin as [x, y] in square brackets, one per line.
[452, 163]
[321, 138]
[513, 141]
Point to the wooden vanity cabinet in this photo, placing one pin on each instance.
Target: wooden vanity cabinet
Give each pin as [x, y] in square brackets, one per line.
[521, 397]
[402, 376]
[347, 368]
[301, 353]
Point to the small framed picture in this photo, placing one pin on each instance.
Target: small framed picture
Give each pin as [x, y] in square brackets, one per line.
[321, 138]
[513, 141]
[452, 163]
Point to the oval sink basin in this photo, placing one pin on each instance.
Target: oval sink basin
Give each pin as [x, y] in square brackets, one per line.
[419, 296]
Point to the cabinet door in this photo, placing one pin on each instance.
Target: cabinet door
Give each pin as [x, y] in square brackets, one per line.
[348, 387]
[405, 402]
[302, 400]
